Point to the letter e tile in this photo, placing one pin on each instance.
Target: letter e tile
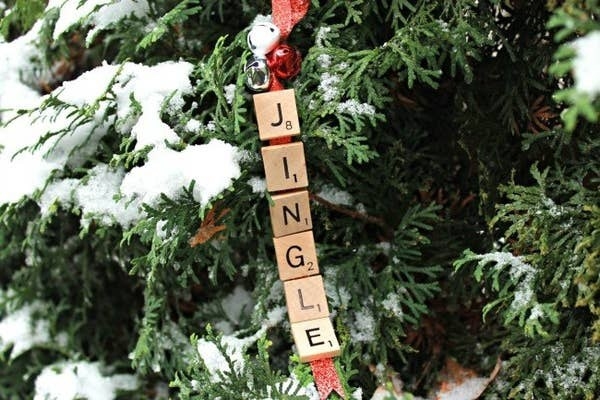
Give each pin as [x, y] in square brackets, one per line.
[315, 339]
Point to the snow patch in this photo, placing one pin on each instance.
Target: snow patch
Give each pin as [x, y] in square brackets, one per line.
[393, 305]
[236, 303]
[336, 196]
[293, 385]
[586, 62]
[328, 85]
[362, 329]
[211, 166]
[99, 199]
[21, 330]
[258, 184]
[229, 93]
[521, 273]
[70, 139]
[17, 73]
[75, 380]
[354, 107]
[470, 388]
[97, 13]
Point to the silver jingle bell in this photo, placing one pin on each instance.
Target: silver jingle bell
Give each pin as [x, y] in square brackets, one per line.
[258, 75]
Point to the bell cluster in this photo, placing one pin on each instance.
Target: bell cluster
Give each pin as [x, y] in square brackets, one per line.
[262, 39]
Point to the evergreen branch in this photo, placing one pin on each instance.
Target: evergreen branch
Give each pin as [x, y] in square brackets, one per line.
[351, 213]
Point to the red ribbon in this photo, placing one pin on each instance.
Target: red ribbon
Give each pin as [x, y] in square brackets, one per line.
[326, 378]
[286, 14]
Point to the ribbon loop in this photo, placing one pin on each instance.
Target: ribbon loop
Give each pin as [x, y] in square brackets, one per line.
[287, 13]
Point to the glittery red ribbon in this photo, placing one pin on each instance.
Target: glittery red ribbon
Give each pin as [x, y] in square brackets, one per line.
[286, 14]
[326, 378]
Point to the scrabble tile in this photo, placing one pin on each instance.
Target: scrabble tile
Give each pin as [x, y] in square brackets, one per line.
[296, 255]
[276, 114]
[290, 213]
[315, 339]
[285, 166]
[306, 298]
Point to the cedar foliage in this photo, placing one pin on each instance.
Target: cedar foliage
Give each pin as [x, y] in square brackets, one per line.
[474, 178]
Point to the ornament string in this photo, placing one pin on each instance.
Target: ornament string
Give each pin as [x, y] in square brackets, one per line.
[286, 14]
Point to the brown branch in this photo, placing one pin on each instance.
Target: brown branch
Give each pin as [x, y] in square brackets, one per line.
[351, 213]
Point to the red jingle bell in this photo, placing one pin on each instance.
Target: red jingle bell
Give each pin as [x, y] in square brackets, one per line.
[284, 61]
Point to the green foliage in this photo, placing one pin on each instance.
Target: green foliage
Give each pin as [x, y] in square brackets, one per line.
[239, 376]
[21, 17]
[430, 127]
[572, 22]
[178, 15]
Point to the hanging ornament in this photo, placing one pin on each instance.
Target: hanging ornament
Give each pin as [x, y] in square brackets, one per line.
[258, 75]
[285, 172]
[262, 38]
[284, 61]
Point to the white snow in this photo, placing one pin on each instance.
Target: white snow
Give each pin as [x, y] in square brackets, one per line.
[362, 329]
[215, 361]
[229, 92]
[107, 194]
[328, 85]
[55, 194]
[292, 383]
[469, 389]
[98, 201]
[97, 13]
[521, 273]
[151, 87]
[258, 184]
[18, 329]
[321, 34]
[324, 60]
[353, 107]
[336, 196]
[17, 73]
[339, 296]
[212, 166]
[237, 302]
[76, 380]
[570, 374]
[392, 304]
[193, 126]
[586, 62]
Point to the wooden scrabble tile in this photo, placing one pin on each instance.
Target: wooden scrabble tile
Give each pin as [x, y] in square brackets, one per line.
[306, 298]
[285, 167]
[290, 213]
[315, 339]
[296, 255]
[276, 114]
